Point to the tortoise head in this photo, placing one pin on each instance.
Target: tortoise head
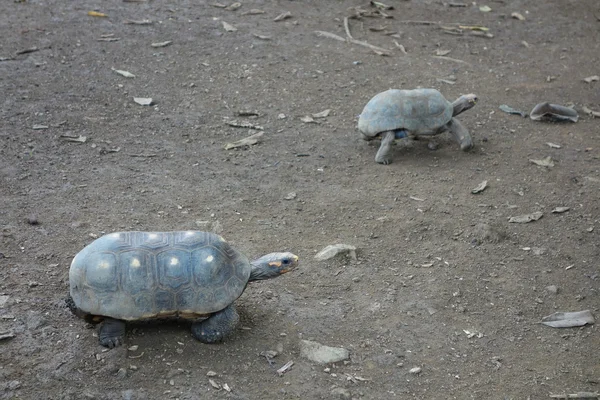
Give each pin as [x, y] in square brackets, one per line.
[272, 265]
[463, 103]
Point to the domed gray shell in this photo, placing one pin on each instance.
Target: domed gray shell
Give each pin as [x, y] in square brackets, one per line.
[419, 111]
[140, 275]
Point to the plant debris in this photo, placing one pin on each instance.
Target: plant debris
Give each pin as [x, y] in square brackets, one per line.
[553, 145]
[480, 188]
[322, 114]
[510, 110]
[590, 79]
[569, 319]
[559, 210]
[161, 44]
[592, 113]
[228, 27]
[544, 162]
[244, 124]
[518, 16]
[578, 395]
[248, 141]
[70, 138]
[38, 127]
[523, 219]
[553, 112]
[143, 101]
[285, 368]
[97, 14]
[381, 6]
[233, 6]
[283, 16]
[126, 74]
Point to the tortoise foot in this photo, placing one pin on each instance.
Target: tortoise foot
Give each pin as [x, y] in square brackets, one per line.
[216, 327]
[111, 333]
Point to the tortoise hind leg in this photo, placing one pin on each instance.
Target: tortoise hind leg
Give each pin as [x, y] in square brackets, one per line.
[460, 134]
[111, 332]
[217, 326]
[387, 138]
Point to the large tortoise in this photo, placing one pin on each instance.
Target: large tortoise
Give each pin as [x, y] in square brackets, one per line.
[396, 114]
[129, 276]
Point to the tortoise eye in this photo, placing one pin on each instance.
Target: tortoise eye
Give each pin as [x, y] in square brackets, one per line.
[285, 261]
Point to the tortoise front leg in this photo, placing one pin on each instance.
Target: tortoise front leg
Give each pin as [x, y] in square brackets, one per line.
[387, 138]
[460, 134]
[217, 326]
[111, 332]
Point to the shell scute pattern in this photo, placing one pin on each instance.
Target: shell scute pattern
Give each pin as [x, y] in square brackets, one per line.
[419, 111]
[134, 275]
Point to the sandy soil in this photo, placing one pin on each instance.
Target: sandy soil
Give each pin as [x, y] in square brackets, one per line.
[443, 281]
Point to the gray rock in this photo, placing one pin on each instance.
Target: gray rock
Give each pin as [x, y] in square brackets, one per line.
[322, 354]
[3, 301]
[13, 385]
[552, 289]
[341, 393]
[35, 321]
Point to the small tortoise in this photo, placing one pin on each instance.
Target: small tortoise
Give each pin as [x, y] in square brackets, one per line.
[129, 276]
[396, 114]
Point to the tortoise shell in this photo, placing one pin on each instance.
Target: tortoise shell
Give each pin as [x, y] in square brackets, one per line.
[419, 111]
[142, 275]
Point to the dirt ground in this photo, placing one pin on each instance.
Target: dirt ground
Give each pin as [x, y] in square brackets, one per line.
[443, 281]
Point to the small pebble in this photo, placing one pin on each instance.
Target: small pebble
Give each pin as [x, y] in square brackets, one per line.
[552, 289]
[211, 373]
[415, 370]
[32, 220]
[121, 373]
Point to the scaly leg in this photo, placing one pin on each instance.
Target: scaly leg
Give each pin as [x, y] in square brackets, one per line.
[111, 332]
[387, 139]
[217, 326]
[460, 134]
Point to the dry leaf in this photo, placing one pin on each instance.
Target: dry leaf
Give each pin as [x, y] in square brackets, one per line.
[474, 28]
[544, 162]
[381, 6]
[518, 16]
[569, 319]
[480, 188]
[233, 6]
[307, 119]
[96, 14]
[485, 9]
[143, 101]
[79, 139]
[244, 124]
[523, 219]
[283, 16]
[249, 141]
[126, 74]
[559, 210]
[322, 114]
[161, 44]
[590, 79]
[229, 27]
[262, 37]
[38, 127]
[214, 384]
[554, 145]
[219, 5]
[441, 52]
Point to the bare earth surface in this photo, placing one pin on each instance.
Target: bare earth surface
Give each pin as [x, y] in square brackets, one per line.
[443, 281]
